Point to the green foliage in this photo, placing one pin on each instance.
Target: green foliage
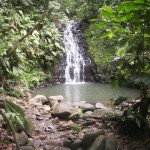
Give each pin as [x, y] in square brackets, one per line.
[16, 115]
[37, 54]
[133, 123]
[122, 31]
[8, 89]
[76, 128]
[118, 38]
[32, 78]
[119, 100]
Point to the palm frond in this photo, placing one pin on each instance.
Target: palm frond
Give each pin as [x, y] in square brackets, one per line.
[11, 107]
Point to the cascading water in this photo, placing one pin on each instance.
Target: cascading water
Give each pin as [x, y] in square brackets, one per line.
[74, 71]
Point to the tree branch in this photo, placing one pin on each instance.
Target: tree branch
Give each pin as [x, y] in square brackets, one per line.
[30, 32]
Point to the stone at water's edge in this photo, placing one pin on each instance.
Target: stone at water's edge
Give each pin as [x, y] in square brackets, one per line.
[100, 106]
[63, 110]
[56, 98]
[87, 107]
[38, 99]
[103, 113]
[53, 100]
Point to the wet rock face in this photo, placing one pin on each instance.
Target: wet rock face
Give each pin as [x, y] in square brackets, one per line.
[88, 68]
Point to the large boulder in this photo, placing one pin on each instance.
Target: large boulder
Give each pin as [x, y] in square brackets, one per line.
[63, 110]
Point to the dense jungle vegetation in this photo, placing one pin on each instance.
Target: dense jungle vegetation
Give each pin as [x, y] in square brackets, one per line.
[30, 40]
[116, 31]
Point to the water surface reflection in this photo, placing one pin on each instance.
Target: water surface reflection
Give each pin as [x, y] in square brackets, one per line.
[91, 92]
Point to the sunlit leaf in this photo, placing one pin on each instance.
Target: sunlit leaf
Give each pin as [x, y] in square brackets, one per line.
[107, 8]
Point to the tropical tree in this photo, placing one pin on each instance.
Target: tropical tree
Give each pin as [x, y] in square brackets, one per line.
[30, 41]
[124, 33]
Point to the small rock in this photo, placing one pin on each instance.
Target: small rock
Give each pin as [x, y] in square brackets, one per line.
[72, 137]
[38, 99]
[37, 131]
[48, 147]
[39, 118]
[47, 108]
[48, 128]
[90, 137]
[76, 144]
[56, 120]
[87, 114]
[55, 142]
[110, 143]
[22, 138]
[118, 113]
[70, 123]
[43, 137]
[98, 144]
[87, 107]
[27, 148]
[81, 135]
[55, 99]
[101, 113]
[100, 106]
[79, 104]
[67, 143]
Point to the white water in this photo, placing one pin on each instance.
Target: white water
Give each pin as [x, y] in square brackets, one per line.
[74, 71]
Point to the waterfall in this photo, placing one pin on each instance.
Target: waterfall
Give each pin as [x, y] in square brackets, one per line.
[74, 71]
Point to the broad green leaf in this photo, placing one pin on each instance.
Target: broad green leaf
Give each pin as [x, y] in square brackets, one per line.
[121, 7]
[54, 53]
[110, 35]
[121, 52]
[100, 25]
[127, 17]
[107, 8]
[106, 14]
[11, 107]
[146, 35]
[57, 45]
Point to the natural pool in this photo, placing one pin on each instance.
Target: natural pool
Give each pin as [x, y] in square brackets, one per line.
[90, 92]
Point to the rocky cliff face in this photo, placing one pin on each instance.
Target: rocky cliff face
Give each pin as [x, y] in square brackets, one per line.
[80, 42]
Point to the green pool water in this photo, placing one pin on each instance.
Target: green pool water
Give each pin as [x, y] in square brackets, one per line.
[90, 92]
